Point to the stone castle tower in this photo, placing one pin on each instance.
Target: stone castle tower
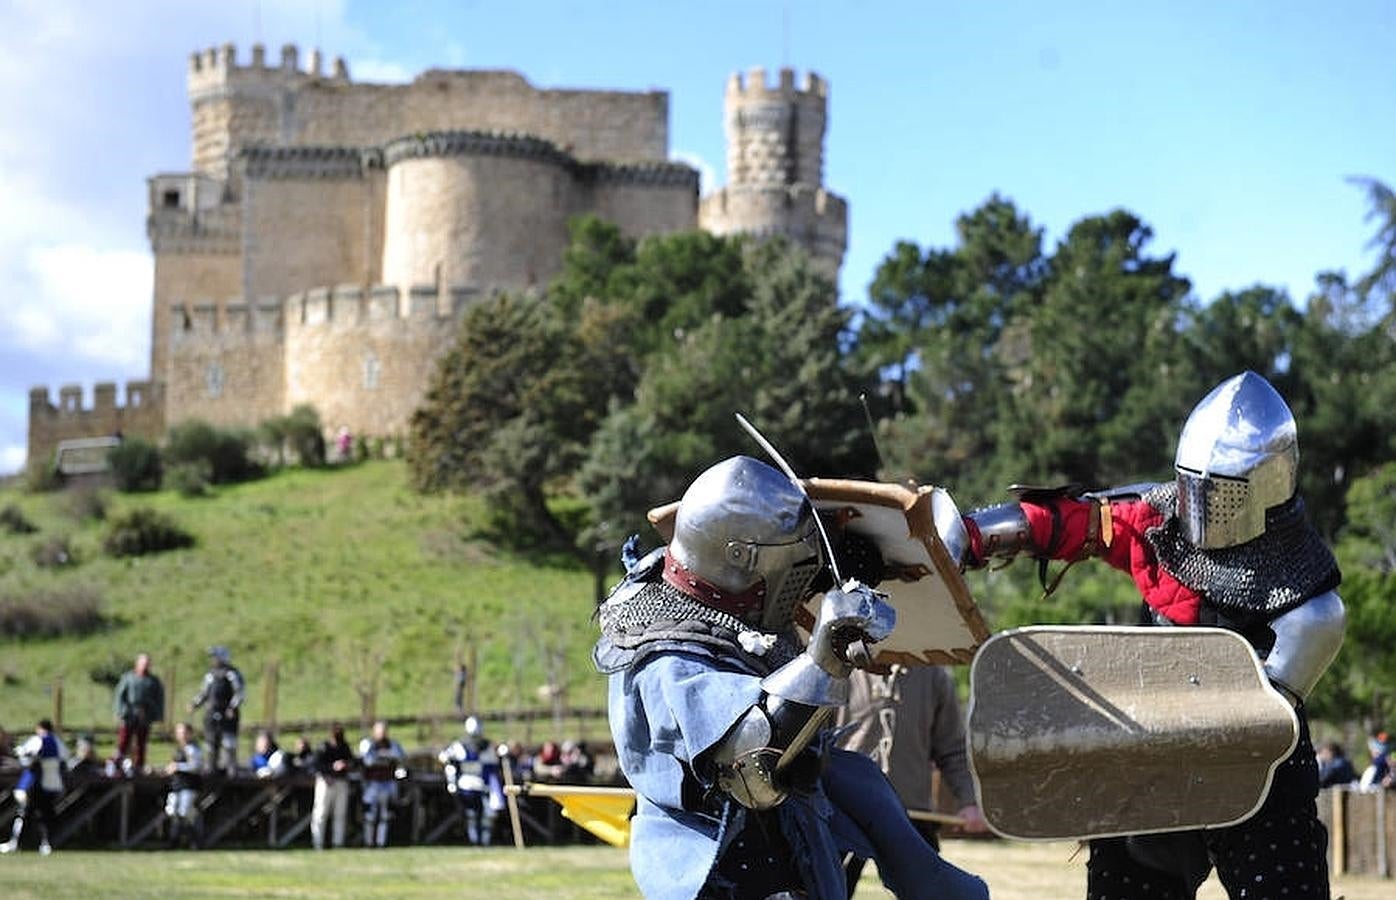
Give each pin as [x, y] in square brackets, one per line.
[330, 233]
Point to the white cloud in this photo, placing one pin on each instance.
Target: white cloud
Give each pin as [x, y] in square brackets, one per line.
[87, 303]
[707, 173]
[378, 71]
[12, 458]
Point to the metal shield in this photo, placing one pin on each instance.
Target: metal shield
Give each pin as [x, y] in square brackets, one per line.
[937, 620]
[1083, 732]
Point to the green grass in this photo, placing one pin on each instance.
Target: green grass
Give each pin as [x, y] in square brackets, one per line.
[319, 571]
[545, 872]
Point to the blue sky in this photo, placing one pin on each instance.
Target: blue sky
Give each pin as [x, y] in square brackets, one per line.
[1228, 127]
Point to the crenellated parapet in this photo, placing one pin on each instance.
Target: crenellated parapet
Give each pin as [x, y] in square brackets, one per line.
[775, 131]
[312, 163]
[142, 415]
[217, 68]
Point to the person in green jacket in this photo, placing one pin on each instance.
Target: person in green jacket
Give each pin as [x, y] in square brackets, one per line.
[139, 701]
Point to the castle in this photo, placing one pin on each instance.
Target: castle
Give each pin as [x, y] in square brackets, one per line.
[331, 232]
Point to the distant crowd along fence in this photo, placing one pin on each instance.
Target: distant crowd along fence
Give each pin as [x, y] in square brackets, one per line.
[529, 726]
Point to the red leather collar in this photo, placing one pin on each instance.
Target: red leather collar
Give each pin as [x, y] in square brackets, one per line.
[742, 605]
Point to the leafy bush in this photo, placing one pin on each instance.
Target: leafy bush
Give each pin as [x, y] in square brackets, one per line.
[87, 503]
[135, 465]
[226, 451]
[144, 530]
[41, 476]
[53, 553]
[51, 612]
[306, 435]
[191, 479]
[13, 521]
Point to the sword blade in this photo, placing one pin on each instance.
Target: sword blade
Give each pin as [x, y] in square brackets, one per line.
[784, 466]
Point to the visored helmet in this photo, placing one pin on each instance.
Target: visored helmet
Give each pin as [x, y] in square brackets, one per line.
[1238, 456]
[744, 529]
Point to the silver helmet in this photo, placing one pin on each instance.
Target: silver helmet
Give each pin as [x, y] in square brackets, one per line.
[1238, 456]
[743, 526]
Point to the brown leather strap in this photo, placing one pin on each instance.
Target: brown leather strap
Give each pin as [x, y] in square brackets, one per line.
[742, 605]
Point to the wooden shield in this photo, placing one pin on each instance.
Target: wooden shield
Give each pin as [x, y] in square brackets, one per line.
[1082, 732]
[937, 621]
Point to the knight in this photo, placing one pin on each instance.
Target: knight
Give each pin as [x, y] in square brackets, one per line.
[717, 708]
[1225, 543]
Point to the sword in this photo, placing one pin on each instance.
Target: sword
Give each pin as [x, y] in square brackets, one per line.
[857, 652]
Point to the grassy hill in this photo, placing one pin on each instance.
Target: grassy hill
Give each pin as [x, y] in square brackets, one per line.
[333, 575]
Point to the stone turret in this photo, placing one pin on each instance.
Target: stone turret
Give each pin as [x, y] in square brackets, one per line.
[775, 166]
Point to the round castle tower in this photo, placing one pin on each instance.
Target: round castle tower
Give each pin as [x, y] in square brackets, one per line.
[775, 166]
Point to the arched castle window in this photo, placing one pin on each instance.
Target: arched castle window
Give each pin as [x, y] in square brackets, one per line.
[213, 380]
[371, 371]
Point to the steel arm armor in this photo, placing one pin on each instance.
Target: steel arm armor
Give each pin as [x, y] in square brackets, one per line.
[798, 697]
[1003, 532]
[1307, 639]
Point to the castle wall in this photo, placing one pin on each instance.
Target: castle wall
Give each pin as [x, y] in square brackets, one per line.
[478, 210]
[226, 364]
[811, 217]
[236, 105]
[203, 277]
[303, 230]
[646, 199]
[49, 423]
[365, 359]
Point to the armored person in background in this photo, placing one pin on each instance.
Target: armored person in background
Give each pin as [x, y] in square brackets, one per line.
[222, 692]
[717, 710]
[474, 778]
[382, 759]
[44, 759]
[186, 780]
[1226, 544]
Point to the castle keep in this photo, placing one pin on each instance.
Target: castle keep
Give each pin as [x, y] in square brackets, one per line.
[330, 233]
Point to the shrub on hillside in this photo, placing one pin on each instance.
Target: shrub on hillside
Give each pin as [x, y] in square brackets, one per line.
[87, 503]
[144, 530]
[13, 521]
[135, 465]
[191, 479]
[53, 553]
[56, 612]
[300, 433]
[41, 476]
[226, 451]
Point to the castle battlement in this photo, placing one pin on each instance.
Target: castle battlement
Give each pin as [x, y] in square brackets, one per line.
[216, 67]
[138, 396]
[752, 85]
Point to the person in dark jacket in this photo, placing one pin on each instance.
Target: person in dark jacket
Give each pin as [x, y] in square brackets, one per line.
[333, 763]
[138, 702]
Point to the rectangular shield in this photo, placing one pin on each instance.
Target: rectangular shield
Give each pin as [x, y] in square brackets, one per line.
[1083, 732]
[938, 622]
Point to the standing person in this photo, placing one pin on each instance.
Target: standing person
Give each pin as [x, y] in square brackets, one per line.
[1224, 544]
[333, 763]
[461, 680]
[222, 691]
[138, 703]
[44, 759]
[382, 759]
[905, 721]
[716, 710]
[186, 780]
[474, 777]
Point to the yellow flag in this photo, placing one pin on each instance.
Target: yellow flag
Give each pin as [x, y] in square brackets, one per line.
[606, 816]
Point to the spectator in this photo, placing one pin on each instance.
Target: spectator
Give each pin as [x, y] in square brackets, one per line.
[462, 679]
[268, 759]
[1378, 771]
[1334, 768]
[344, 444]
[222, 690]
[473, 777]
[85, 765]
[138, 703]
[547, 763]
[7, 752]
[577, 765]
[44, 758]
[382, 759]
[333, 764]
[301, 761]
[186, 779]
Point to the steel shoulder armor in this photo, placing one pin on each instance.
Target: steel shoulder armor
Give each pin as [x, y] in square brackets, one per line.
[1307, 639]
